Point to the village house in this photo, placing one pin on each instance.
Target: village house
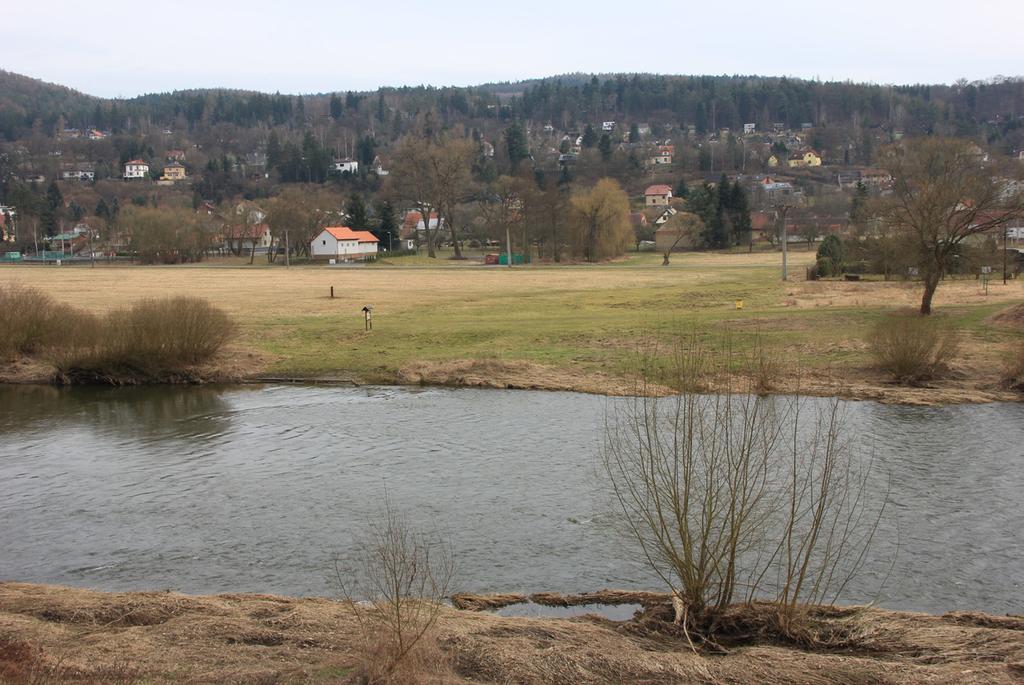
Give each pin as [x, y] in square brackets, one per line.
[773, 161]
[244, 238]
[342, 243]
[876, 178]
[748, 129]
[78, 172]
[487, 149]
[175, 156]
[607, 126]
[135, 168]
[378, 167]
[662, 155]
[807, 158]
[657, 195]
[346, 165]
[413, 224]
[760, 226]
[174, 171]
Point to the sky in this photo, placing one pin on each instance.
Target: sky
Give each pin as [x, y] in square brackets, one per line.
[119, 48]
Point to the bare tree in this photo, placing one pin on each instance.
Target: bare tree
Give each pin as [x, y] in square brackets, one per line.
[945, 191]
[730, 496]
[685, 225]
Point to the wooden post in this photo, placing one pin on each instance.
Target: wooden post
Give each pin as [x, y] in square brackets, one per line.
[332, 292]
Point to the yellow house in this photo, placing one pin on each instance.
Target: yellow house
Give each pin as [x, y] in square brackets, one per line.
[805, 158]
[174, 172]
[773, 161]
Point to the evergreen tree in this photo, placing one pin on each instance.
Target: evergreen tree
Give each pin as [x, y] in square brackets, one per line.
[740, 215]
[605, 147]
[681, 190]
[336, 107]
[634, 133]
[589, 137]
[273, 151]
[53, 210]
[515, 145]
[102, 210]
[366, 150]
[857, 205]
[358, 217]
[387, 225]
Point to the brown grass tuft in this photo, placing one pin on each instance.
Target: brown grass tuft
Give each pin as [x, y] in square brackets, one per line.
[912, 348]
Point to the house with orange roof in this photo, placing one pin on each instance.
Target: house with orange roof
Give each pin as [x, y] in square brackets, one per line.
[342, 243]
[657, 195]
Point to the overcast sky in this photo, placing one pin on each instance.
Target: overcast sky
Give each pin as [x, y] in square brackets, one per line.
[123, 48]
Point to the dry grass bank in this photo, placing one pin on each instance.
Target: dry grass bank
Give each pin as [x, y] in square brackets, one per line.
[84, 636]
[568, 328]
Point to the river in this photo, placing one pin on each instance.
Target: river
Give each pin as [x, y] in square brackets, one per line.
[260, 488]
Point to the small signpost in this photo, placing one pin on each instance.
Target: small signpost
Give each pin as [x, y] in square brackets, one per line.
[986, 274]
[368, 316]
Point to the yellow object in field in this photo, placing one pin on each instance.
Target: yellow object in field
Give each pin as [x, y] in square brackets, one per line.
[739, 304]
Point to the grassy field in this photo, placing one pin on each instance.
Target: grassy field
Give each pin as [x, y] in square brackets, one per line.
[438, 320]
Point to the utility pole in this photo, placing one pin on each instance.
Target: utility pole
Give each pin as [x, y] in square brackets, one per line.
[287, 250]
[1006, 237]
[782, 210]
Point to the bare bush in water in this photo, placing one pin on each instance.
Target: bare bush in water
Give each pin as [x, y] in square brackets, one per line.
[735, 497]
[396, 589]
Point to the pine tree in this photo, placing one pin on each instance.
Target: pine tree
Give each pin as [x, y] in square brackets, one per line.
[358, 217]
[589, 137]
[605, 147]
[387, 225]
[336, 107]
[634, 133]
[515, 145]
[681, 190]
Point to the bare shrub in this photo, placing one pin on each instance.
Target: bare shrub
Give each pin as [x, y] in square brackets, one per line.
[738, 497]
[32, 321]
[152, 336]
[912, 348]
[396, 589]
[168, 332]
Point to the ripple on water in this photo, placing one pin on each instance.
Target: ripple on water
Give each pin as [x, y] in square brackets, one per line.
[227, 489]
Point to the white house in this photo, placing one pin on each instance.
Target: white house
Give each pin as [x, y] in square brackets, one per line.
[341, 242]
[136, 168]
[349, 165]
[607, 125]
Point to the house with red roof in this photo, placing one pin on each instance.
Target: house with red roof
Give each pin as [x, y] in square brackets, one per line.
[342, 243]
[657, 195]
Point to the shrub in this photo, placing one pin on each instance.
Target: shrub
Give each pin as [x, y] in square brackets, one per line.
[168, 332]
[148, 339]
[734, 497]
[830, 256]
[912, 348]
[1015, 368]
[31, 321]
[396, 590]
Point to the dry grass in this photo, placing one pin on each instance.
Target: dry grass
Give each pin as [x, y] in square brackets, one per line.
[278, 640]
[562, 327]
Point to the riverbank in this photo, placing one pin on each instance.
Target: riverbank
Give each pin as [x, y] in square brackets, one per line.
[52, 634]
[554, 328]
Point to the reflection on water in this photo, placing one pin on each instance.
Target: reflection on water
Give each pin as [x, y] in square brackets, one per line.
[229, 489]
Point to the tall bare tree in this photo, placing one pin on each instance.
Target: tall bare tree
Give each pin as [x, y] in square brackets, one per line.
[946, 191]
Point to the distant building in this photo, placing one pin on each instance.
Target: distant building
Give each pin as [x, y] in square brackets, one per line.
[78, 172]
[378, 167]
[773, 160]
[348, 165]
[748, 129]
[135, 168]
[174, 171]
[607, 125]
[807, 158]
[246, 238]
[657, 195]
[175, 156]
[341, 242]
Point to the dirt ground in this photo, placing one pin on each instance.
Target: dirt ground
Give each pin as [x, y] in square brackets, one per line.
[54, 634]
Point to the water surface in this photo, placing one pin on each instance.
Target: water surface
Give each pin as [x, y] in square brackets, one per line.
[208, 490]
